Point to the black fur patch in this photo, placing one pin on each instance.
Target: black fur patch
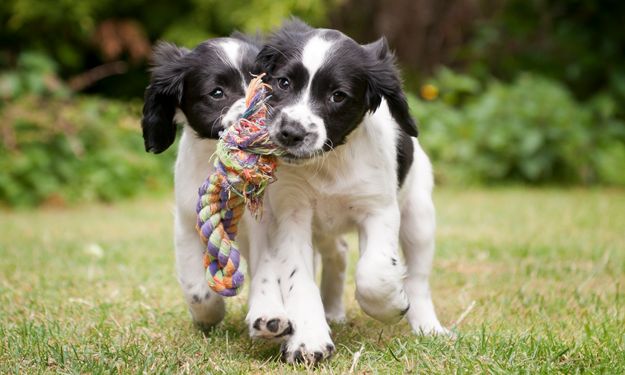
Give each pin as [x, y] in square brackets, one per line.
[405, 157]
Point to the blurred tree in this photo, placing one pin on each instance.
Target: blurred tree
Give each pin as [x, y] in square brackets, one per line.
[423, 33]
[579, 42]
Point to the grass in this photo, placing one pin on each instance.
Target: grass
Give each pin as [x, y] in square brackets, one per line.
[531, 280]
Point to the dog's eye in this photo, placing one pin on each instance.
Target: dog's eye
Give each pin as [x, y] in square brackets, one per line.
[337, 97]
[217, 94]
[284, 83]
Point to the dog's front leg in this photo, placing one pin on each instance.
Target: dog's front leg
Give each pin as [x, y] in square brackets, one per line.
[207, 308]
[293, 263]
[379, 272]
[266, 317]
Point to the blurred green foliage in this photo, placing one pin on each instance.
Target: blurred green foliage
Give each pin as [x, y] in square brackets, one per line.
[532, 130]
[187, 22]
[59, 148]
[578, 42]
[70, 31]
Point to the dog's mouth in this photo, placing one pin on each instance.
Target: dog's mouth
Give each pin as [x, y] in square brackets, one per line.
[294, 159]
[298, 155]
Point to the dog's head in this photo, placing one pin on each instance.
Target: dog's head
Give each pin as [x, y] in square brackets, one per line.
[324, 84]
[207, 84]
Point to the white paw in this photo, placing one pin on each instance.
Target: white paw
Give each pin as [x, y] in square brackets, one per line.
[386, 307]
[275, 327]
[206, 310]
[310, 348]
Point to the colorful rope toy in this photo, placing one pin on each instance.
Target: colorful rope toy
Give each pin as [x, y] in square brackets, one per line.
[245, 164]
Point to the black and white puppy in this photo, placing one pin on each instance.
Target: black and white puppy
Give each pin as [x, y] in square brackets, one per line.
[353, 163]
[204, 90]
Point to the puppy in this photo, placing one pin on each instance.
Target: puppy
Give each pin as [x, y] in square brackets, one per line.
[204, 90]
[353, 163]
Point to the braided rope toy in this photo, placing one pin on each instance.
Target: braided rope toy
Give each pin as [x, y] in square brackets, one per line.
[245, 164]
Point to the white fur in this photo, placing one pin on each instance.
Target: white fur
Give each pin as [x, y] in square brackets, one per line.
[315, 54]
[232, 49]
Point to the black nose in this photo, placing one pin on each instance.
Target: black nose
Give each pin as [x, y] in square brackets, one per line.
[291, 133]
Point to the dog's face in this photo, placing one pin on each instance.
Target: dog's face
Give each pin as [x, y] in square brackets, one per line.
[207, 84]
[324, 84]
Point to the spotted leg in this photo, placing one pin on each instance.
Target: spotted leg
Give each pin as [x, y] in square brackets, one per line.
[294, 267]
[417, 241]
[379, 272]
[266, 317]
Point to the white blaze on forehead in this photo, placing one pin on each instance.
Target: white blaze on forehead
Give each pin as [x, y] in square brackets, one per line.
[231, 48]
[314, 54]
[233, 57]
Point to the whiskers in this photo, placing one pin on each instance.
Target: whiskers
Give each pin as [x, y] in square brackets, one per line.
[221, 117]
[320, 157]
[330, 145]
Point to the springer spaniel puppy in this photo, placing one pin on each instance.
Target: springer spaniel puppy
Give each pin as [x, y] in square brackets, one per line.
[353, 163]
[204, 90]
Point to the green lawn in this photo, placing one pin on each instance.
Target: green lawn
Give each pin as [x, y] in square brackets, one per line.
[92, 289]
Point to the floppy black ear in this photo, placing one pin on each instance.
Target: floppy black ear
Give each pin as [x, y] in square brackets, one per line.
[383, 81]
[162, 97]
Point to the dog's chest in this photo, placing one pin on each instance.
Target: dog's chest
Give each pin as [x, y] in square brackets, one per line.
[340, 203]
[333, 214]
